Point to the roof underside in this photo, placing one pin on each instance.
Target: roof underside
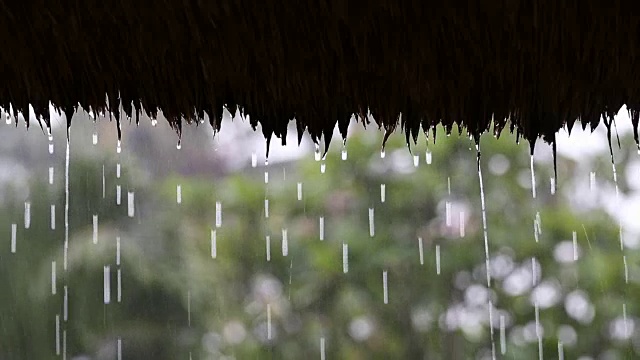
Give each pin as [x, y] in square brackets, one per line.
[530, 66]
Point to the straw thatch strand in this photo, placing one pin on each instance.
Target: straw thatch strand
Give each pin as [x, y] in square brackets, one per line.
[529, 66]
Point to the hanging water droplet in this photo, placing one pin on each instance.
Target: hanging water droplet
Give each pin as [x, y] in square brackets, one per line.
[267, 240]
[372, 231]
[427, 157]
[154, 122]
[385, 287]
[420, 251]
[8, 121]
[54, 287]
[345, 258]
[179, 194]
[130, 204]
[321, 228]
[14, 230]
[438, 259]
[285, 242]
[119, 147]
[53, 217]
[107, 284]
[383, 193]
[382, 154]
[214, 244]
[344, 153]
[118, 195]
[317, 153]
[179, 145]
[27, 214]
[95, 229]
[254, 159]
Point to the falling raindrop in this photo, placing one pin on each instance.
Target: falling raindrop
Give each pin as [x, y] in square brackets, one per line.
[266, 208]
[64, 344]
[267, 240]
[189, 308]
[592, 181]
[130, 204]
[534, 272]
[626, 269]
[533, 179]
[503, 337]
[266, 177]
[385, 287]
[372, 230]
[95, 229]
[27, 214]
[536, 227]
[104, 184]
[118, 250]
[118, 170]
[538, 330]
[65, 304]
[254, 159]
[268, 321]
[321, 228]
[214, 245]
[50, 175]
[107, 284]
[438, 259]
[383, 192]
[179, 194]
[484, 221]
[179, 144]
[14, 229]
[552, 180]
[119, 147]
[427, 157]
[317, 153]
[285, 242]
[119, 350]
[461, 224]
[322, 349]
[323, 167]
[299, 191]
[154, 122]
[218, 214]
[50, 148]
[58, 334]
[625, 320]
[491, 333]
[420, 251]
[118, 195]
[53, 217]
[615, 177]
[574, 236]
[416, 160]
[345, 258]
[560, 350]
[344, 153]
[8, 119]
[382, 154]
[94, 138]
[447, 212]
[54, 287]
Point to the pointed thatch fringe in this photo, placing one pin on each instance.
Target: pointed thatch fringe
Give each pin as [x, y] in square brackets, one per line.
[531, 66]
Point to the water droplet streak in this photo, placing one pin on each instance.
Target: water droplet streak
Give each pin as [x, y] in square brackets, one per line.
[503, 337]
[267, 240]
[95, 229]
[54, 287]
[27, 214]
[214, 244]
[383, 192]
[438, 259]
[131, 204]
[218, 214]
[14, 230]
[321, 225]
[533, 179]
[107, 284]
[345, 258]
[285, 242]
[385, 287]
[299, 191]
[420, 251]
[53, 217]
[372, 230]
[179, 194]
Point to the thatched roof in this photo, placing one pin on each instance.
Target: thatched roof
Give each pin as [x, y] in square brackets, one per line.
[533, 66]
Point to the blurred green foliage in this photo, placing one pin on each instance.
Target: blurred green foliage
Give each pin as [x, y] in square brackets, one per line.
[178, 301]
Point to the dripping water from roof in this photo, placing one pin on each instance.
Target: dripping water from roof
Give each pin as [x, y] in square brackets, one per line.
[533, 178]
[484, 219]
